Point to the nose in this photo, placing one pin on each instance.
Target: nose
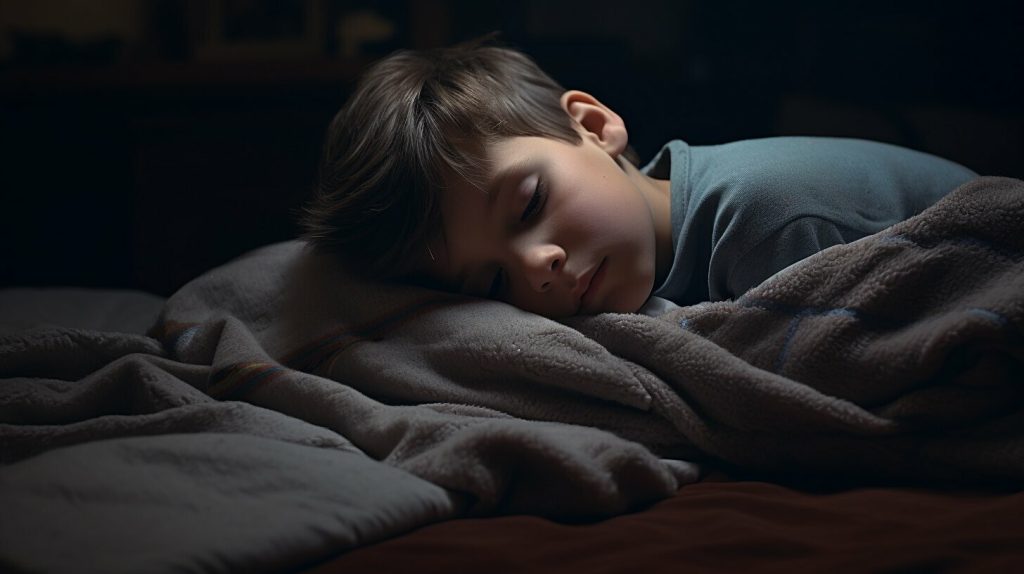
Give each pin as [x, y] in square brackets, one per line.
[541, 264]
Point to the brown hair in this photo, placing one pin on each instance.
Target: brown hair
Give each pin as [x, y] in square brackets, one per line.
[414, 117]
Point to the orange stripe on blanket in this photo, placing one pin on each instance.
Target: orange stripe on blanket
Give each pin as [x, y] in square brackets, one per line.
[237, 379]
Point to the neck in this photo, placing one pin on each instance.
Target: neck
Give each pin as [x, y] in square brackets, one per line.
[658, 194]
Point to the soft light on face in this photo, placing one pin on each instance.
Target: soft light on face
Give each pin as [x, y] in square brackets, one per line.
[560, 230]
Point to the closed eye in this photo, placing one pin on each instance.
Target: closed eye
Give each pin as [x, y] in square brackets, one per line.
[536, 203]
[536, 200]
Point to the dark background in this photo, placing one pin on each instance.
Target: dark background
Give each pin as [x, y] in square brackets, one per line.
[145, 141]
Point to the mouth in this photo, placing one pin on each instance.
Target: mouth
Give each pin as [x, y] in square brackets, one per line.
[591, 281]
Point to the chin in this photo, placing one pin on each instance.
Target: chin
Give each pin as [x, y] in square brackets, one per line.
[631, 303]
[627, 307]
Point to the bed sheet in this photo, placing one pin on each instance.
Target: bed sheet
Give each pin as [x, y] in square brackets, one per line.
[118, 310]
[729, 526]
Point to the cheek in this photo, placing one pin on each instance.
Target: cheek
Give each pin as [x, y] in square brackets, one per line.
[610, 217]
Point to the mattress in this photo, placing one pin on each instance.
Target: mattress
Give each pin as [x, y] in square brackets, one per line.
[117, 310]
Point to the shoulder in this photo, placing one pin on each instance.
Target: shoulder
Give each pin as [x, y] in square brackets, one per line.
[780, 161]
[817, 162]
[822, 177]
[776, 249]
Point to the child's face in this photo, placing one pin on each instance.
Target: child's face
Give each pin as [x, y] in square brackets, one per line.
[561, 229]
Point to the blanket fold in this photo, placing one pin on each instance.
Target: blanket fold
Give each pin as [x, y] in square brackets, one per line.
[884, 352]
[899, 357]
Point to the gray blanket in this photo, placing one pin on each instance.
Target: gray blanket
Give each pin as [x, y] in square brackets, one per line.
[282, 409]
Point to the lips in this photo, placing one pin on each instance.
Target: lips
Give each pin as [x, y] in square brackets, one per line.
[590, 282]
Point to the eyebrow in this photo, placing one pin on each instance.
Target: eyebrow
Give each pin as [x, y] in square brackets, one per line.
[493, 191]
[497, 183]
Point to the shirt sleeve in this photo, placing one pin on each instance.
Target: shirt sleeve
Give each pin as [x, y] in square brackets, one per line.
[755, 207]
[793, 242]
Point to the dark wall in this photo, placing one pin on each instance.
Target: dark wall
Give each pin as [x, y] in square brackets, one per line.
[946, 77]
[142, 165]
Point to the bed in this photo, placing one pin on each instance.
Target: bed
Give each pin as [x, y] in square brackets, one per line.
[859, 411]
[722, 525]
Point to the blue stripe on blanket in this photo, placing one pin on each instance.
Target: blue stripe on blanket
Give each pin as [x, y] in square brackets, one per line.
[175, 336]
[990, 315]
[800, 313]
[794, 326]
[1000, 249]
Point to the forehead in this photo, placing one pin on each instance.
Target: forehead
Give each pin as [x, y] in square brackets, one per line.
[466, 202]
[494, 162]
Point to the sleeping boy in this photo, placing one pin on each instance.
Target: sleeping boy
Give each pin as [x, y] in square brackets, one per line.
[469, 169]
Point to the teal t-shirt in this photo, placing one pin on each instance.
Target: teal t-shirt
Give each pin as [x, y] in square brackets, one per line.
[743, 211]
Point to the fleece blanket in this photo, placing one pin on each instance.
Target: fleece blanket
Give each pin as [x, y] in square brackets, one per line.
[283, 409]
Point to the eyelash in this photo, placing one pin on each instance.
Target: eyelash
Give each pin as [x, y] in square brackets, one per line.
[537, 201]
[540, 193]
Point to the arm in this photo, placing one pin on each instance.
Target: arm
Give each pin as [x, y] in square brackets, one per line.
[791, 243]
[780, 200]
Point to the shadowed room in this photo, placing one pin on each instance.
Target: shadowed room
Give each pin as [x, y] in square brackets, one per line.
[146, 141]
[354, 286]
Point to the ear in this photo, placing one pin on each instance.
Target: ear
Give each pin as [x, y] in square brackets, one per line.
[598, 122]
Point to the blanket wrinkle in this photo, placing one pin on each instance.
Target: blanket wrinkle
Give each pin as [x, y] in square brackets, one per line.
[314, 295]
[65, 353]
[516, 356]
[329, 348]
[469, 450]
[907, 345]
[843, 344]
[223, 502]
[897, 358]
[19, 442]
[708, 374]
[519, 463]
[133, 384]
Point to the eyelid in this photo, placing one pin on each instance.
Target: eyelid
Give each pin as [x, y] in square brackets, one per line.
[537, 198]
